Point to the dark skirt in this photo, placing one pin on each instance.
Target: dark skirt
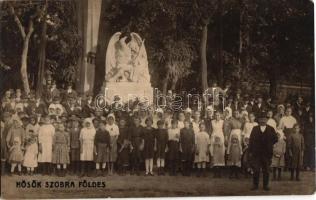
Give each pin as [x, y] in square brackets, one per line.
[136, 155]
[296, 160]
[287, 132]
[148, 151]
[75, 154]
[173, 150]
[4, 152]
[123, 157]
[161, 150]
[187, 154]
[102, 153]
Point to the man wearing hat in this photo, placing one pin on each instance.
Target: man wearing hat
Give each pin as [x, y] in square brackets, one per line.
[70, 106]
[246, 104]
[262, 139]
[50, 92]
[88, 106]
[37, 107]
[69, 92]
[54, 91]
[259, 106]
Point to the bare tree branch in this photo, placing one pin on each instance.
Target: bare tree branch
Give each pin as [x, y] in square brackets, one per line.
[196, 9]
[30, 30]
[17, 20]
[39, 13]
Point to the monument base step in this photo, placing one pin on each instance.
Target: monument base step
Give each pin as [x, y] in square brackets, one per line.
[128, 91]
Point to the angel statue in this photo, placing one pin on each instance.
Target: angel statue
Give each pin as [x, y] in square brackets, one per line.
[126, 59]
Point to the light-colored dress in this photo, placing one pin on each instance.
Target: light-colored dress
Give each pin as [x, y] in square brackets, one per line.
[180, 124]
[248, 128]
[167, 122]
[30, 156]
[278, 154]
[233, 126]
[217, 127]
[196, 128]
[287, 122]
[234, 149]
[87, 141]
[16, 154]
[202, 142]
[217, 149]
[142, 121]
[271, 122]
[45, 138]
[114, 133]
[173, 143]
[31, 130]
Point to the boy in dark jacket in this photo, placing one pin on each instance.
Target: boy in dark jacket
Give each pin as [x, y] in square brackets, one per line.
[187, 145]
[161, 144]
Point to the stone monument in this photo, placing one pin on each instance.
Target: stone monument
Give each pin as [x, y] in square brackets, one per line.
[126, 72]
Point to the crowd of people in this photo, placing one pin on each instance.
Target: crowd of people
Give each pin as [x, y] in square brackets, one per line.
[62, 132]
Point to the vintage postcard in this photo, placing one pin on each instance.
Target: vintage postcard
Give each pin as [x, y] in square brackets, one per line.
[156, 98]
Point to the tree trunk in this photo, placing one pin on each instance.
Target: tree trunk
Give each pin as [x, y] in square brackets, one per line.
[42, 56]
[104, 36]
[240, 32]
[23, 69]
[244, 57]
[220, 50]
[165, 85]
[174, 84]
[273, 86]
[203, 56]
[26, 40]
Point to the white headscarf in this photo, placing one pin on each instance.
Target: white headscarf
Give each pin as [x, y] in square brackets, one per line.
[230, 112]
[88, 120]
[111, 115]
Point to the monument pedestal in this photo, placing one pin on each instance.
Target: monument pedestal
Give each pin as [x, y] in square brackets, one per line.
[128, 91]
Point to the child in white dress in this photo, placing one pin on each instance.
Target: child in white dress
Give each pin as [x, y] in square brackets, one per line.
[113, 129]
[30, 156]
[86, 138]
[217, 148]
[16, 155]
[202, 146]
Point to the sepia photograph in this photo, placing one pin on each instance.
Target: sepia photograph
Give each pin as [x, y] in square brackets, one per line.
[157, 98]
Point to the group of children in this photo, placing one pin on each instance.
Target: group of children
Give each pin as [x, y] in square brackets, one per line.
[178, 141]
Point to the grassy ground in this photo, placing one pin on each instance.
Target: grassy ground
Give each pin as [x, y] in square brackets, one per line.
[157, 186]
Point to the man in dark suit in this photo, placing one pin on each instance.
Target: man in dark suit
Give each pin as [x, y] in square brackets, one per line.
[262, 139]
[259, 107]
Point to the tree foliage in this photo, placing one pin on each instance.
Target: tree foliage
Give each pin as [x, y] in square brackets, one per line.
[63, 41]
[248, 41]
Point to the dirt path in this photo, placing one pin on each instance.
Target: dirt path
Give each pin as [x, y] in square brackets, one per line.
[157, 186]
